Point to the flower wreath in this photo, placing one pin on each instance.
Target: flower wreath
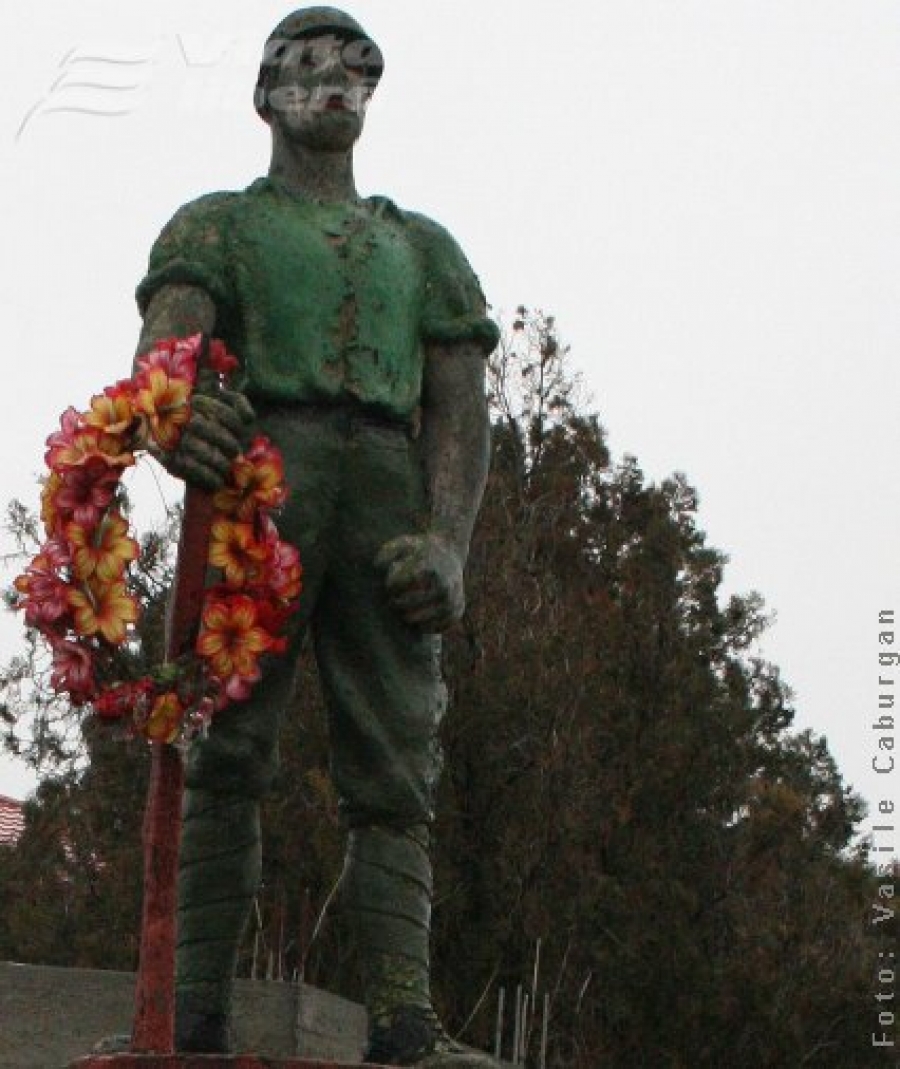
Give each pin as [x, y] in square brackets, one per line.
[75, 591]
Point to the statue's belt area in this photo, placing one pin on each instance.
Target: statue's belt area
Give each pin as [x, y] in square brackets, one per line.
[346, 414]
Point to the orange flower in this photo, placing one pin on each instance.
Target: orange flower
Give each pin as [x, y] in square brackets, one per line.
[106, 608]
[75, 443]
[165, 718]
[103, 550]
[233, 548]
[111, 411]
[163, 399]
[49, 510]
[230, 638]
[256, 480]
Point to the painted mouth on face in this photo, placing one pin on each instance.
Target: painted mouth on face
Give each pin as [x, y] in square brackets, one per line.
[336, 102]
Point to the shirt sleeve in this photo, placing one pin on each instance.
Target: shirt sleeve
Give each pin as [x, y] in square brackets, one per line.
[191, 250]
[454, 309]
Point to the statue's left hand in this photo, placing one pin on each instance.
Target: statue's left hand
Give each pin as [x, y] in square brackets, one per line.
[424, 580]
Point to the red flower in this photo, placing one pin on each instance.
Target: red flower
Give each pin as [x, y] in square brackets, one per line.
[283, 569]
[81, 494]
[177, 357]
[46, 595]
[220, 359]
[58, 553]
[73, 671]
[272, 615]
[115, 702]
[239, 688]
[69, 425]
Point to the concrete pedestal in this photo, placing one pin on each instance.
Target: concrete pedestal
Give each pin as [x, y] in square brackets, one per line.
[49, 1017]
[206, 1061]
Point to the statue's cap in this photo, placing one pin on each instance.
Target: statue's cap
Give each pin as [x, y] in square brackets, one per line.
[312, 22]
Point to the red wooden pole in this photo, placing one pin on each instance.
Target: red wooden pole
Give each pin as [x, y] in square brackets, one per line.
[153, 1030]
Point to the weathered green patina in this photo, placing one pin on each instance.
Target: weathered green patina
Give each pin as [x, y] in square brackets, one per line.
[323, 302]
[362, 332]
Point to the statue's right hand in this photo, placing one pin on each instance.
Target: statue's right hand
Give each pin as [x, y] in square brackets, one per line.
[214, 435]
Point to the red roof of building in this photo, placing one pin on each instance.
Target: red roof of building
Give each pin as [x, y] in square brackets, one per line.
[12, 820]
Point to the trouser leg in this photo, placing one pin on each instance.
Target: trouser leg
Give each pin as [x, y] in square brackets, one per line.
[220, 859]
[218, 878]
[387, 898]
[219, 865]
[385, 700]
[386, 888]
[231, 770]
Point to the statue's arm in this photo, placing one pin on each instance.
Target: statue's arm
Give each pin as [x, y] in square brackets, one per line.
[456, 433]
[176, 312]
[424, 573]
[216, 430]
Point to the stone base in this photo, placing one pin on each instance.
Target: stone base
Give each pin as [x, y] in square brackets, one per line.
[207, 1061]
[49, 1017]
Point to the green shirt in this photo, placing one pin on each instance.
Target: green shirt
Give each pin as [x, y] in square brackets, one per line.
[323, 303]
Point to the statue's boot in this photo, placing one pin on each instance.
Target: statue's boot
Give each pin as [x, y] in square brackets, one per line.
[421, 1038]
[219, 872]
[386, 889]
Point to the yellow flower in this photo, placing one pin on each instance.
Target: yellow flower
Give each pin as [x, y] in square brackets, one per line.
[111, 411]
[106, 608]
[164, 401]
[233, 548]
[103, 550]
[256, 480]
[165, 718]
[230, 638]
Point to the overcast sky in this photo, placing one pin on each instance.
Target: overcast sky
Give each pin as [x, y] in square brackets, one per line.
[703, 192]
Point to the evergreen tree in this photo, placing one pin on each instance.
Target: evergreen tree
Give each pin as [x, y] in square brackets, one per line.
[623, 790]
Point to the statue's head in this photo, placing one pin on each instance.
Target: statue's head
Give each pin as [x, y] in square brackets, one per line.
[318, 72]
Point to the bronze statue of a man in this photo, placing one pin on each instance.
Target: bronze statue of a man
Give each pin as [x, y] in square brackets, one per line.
[362, 336]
